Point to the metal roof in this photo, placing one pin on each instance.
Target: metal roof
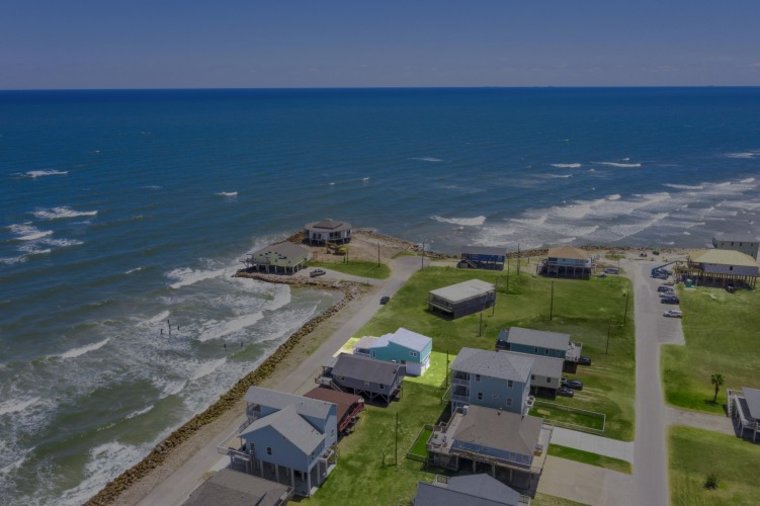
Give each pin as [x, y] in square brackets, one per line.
[531, 337]
[752, 396]
[402, 337]
[502, 430]
[228, 486]
[724, 257]
[494, 364]
[543, 365]
[286, 249]
[291, 426]
[472, 490]
[568, 252]
[463, 291]
[328, 224]
[366, 369]
[279, 400]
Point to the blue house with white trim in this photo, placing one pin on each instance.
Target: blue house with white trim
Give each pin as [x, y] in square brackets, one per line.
[402, 347]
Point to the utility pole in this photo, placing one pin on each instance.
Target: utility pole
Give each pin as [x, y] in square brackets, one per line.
[625, 311]
[551, 303]
[495, 294]
[518, 259]
[507, 274]
[378, 254]
[422, 258]
[480, 330]
[609, 329]
[396, 445]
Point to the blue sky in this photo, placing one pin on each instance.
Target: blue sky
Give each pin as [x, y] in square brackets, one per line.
[280, 43]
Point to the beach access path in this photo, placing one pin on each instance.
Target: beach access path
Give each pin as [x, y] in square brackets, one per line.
[174, 488]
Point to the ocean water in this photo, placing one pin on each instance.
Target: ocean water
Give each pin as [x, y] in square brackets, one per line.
[124, 212]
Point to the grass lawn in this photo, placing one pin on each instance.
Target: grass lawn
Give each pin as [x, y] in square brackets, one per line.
[357, 268]
[581, 308]
[720, 338]
[591, 458]
[567, 417]
[695, 454]
[419, 447]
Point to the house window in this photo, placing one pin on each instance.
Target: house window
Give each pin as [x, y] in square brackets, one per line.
[546, 351]
[414, 354]
[730, 267]
[480, 396]
[532, 377]
[548, 380]
[382, 387]
[477, 377]
[269, 450]
[535, 349]
[509, 383]
[509, 401]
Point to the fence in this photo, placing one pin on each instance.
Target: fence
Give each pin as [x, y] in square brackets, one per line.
[596, 421]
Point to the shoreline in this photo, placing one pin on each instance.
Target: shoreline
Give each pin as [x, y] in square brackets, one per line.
[228, 404]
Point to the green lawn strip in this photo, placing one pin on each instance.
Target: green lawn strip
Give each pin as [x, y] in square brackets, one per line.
[581, 308]
[695, 454]
[590, 458]
[550, 500]
[356, 268]
[720, 338]
[419, 448]
[561, 413]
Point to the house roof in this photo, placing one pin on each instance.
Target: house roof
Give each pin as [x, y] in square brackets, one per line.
[343, 400]
[472, 490]
[279, 400]
[531, 337]
[502, 430]
[543, 365]
[328, 224]
[228, 486]
[286, 249]
[463, 291]
[290, 426]
[568, 252]
[494, 364]
[366, 369]
[752, 396]
[723, 257]
[402, 337]
[484, 250]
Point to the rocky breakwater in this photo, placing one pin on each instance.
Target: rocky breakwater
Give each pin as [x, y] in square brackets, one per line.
[110, 493]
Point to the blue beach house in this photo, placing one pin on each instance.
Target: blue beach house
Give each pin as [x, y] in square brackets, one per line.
[402, 347]
[287, 438]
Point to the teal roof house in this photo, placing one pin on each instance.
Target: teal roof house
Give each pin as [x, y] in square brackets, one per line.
[402, 347]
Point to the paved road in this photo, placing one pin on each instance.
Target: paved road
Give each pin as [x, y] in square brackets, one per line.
[650, 446]
[586, 484]
[608, 447]
[175, 489]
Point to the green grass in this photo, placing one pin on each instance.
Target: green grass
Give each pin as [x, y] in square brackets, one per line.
[695, 454]
[591, 458]
[419, 448]
[581, 308]
[356, 268]
[720, 338]
[550, 500]
[557, 413]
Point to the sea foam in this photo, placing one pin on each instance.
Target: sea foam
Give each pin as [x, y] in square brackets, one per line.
[566, 165]
[34, 174]
[78, 352]
[28, 232]
[57, 213]
[465, 222]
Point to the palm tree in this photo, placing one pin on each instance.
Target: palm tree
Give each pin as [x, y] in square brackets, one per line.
[716, 380]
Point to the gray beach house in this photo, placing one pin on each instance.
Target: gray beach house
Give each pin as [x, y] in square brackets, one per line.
[461, 299]
[375, 380]
[471, 490]
[540, 342]
[327, 230]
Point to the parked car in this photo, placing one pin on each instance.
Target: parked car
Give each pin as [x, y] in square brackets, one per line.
[317, 272]
[673, 313]
[565, 392]
[669, 299]
[665, 289]
[574, 384]
[584, 360]
[384, 299]
[612, 270]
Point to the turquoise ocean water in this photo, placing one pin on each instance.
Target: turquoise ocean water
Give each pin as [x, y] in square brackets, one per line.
[124, 209]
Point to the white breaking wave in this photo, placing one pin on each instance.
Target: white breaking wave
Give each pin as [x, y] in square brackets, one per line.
[57, 213]
[28, 232]
[426, 159]
[12, 260]
[217, 330]
[620, 165]
[685, 186]
[78, 352]
[139, 412]
[227, 194]
[132, 271]
[566, 165]
[465, 222]
[206, 368]
[743, 155]
[163, 315]
[615, 196]
[17, 405]
[63, 243]
[186, 276]
[34, 174]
